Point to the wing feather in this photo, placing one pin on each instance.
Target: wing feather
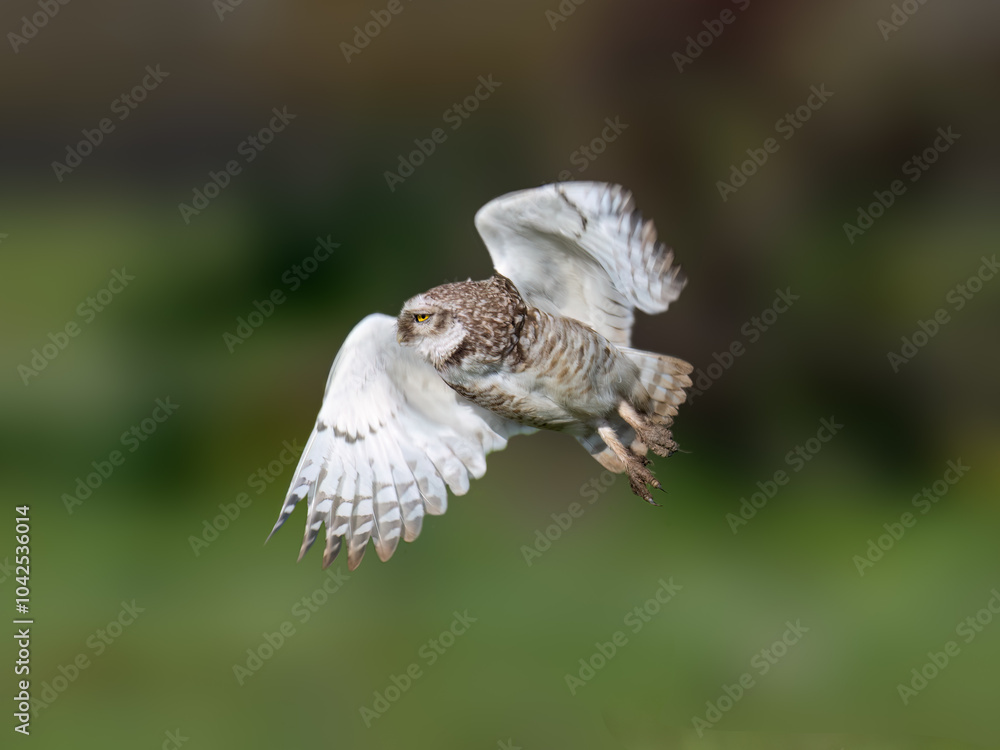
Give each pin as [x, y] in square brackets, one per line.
[391, 438]
[582, 250]
[388, 518]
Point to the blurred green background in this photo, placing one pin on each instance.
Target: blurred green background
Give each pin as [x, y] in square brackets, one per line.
[561, 75]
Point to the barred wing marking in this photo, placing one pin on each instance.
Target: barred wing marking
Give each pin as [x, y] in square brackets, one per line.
[390, 440]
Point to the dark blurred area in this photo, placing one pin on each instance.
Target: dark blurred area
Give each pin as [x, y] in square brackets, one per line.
[826, 175]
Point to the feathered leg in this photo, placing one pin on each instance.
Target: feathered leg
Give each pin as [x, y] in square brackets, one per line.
[638, 475]
[654, 434]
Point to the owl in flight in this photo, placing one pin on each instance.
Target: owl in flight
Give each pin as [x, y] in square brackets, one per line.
[414, 403]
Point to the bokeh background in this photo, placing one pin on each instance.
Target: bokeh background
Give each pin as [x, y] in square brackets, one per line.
[561, 70]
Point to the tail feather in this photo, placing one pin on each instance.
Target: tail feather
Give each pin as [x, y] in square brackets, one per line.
[664, 378]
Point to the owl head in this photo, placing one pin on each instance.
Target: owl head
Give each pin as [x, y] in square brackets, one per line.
[434, 323]
[471, 324]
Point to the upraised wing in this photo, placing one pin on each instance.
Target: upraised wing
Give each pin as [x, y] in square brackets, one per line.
[389, 437]
[582, 250]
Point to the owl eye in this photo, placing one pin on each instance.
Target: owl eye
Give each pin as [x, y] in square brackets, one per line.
[421, 317]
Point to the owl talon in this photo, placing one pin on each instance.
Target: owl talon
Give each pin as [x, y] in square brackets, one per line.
[654, 434]
[640, 479]
[638, 475]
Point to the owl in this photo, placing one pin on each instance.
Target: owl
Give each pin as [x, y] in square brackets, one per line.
[414, 403]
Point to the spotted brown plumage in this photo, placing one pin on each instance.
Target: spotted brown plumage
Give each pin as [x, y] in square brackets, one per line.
[414, 404]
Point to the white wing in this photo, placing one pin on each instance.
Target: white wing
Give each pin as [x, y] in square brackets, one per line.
[582, 250]
[390, 435]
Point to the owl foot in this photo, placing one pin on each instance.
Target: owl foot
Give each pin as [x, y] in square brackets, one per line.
[654, 435]
[638, 475]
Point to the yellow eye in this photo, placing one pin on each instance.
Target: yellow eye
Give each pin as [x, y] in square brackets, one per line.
[421, 318]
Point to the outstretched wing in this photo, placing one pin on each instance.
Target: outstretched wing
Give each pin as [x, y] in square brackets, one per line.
[582, 250]
[389, 437]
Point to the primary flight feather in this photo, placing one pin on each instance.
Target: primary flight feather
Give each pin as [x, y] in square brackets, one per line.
[414, 403]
